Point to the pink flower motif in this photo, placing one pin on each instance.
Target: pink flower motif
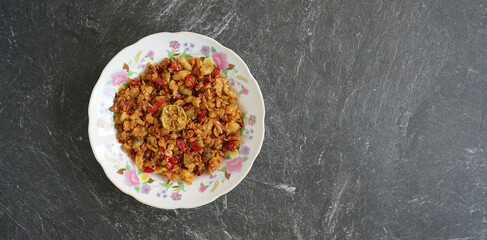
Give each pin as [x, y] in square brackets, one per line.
[131, 178]
[234, 165]
[119, 77]
[150, 54]
[202, 188]
[245, 91]
[220, 60]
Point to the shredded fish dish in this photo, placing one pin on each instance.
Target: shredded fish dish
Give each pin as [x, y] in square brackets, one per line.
[178, 118]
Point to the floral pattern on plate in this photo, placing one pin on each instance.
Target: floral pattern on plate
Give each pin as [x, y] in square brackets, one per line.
[152, 188]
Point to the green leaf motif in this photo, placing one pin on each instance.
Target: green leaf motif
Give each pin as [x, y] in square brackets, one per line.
[241, 131]
[207, 56]
[224, 169]
[245, 158]
[181, 185]
[169, 53]
[137, 189]
[184, 54]
[127, 166]
[213, 49]
[130, 62]
[139, 171]
[108, 83]
[131, 73]
[225, 71]
[126, 84]
[235, 70]
[166, 185]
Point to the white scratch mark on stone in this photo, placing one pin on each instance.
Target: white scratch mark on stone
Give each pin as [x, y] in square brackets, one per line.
[167, 9]
[225, 202]
[193, 234]
[298, 66]
[336, 202]
[228, 236]
[414, 200]
[9, 214]
[223, 28]
[287, 188]
[66, 152]
[50, 133]
[474, 150]
[321, 156]
[304, 143]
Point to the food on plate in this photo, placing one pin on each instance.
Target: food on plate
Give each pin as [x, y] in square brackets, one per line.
[178, 118]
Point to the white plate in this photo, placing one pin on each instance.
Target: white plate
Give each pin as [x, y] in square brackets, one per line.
[152, 189]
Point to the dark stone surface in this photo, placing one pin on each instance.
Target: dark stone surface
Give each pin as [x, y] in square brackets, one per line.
[376, 120]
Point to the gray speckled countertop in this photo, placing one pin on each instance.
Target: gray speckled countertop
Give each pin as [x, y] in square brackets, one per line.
[376, 123]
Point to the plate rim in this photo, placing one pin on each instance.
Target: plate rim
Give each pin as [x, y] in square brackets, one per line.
[210, 199]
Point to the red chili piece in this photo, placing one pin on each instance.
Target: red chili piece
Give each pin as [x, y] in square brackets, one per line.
[148, 170]
[170, 160]
[180, 144]
[201, 114]
[194, 146]
[215, 72]
[206, 79]
[156, 106]
[174, 66]
[162, 83]
[169, 178]
[230, 145]
[133, 82]
[187, 107]
[189, 82]
[220, 124]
